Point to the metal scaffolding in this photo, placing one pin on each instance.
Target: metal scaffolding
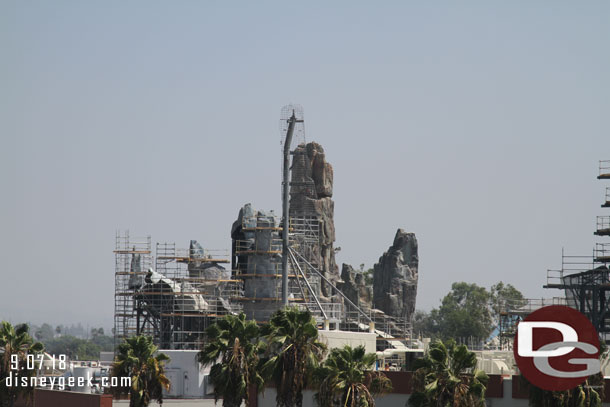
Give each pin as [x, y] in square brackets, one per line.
[257, 261]
[604, 169]
[273, 263]
[513, 311]
[133, 256]
[177, 300]
[586, 279]
[199, 291]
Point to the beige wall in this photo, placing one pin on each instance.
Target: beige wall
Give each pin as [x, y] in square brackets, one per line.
[336, 339]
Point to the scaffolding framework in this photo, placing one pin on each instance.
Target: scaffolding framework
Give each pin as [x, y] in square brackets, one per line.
[604, 169]
[586, 279]
[589, 292]
[125, 310]
[200, 299]
[303, 234]
[601, 253]
[174, 302]
[603, 226]
[272, 263]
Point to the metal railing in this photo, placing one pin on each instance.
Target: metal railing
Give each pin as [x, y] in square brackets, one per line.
[604, 168]
[554, 277]
[169, 252]
[333, 311]
[602, 252]
[603, 223]
[258, 246]
[312, 268]
[528, 305]
[357, 319]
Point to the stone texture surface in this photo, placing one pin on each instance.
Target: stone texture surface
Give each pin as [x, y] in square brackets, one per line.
[354, 286]
[205, 269]
[256, 248]
[311, 190]
[395, 277]
[136, 279]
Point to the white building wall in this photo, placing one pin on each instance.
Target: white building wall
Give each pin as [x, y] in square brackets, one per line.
[507, 400]
[337, 339]
[185, 374]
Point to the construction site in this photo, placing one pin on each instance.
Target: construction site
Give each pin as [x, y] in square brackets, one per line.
[173, 292]
[582, 282]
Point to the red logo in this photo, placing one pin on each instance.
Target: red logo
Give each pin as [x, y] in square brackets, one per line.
[556, 348]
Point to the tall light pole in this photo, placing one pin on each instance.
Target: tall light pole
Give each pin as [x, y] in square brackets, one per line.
[286, 205]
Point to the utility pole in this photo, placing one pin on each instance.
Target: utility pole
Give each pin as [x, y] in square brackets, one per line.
[286, 206]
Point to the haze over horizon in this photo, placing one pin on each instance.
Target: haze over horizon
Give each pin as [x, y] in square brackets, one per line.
[476, 126]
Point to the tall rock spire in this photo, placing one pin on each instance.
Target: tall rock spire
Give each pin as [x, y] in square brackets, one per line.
[395, 277]
[311, 191]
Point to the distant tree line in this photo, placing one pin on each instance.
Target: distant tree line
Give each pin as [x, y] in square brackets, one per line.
[467, 311]
[73, 341]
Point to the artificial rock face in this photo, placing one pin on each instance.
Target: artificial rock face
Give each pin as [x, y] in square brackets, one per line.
[256, 253]
[136, 279]
[354, 287]
[395, 277]
[206, 270]
[311, 190]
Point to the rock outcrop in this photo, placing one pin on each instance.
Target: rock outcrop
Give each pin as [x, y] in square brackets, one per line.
[311, 190]
[201, 268]
[395, 277]
[354, 286]
[256, 253]
[136, 278]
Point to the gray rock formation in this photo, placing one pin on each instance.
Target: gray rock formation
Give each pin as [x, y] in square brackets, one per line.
[154, 295]
[202, 268]
[354, 286]
[311, 190]
[256, 258]
[395, 277]
[136, 279]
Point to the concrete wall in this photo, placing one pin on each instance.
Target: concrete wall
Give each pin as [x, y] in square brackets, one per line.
[390, 400]
[185, 374]
[337, 339]
[501, 392]
[54, 398]
[507, 399]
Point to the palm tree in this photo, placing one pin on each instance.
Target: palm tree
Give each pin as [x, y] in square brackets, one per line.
[588, 394]
[294, 352]
[136, 359]
[447, 376]
[15, 344]
[233, 351]
[347, 378]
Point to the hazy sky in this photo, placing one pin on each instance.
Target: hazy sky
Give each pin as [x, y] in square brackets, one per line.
[478, 125]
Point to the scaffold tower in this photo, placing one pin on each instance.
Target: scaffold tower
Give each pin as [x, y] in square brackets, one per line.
[586, 279]
[175, 301]
[133, 256]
